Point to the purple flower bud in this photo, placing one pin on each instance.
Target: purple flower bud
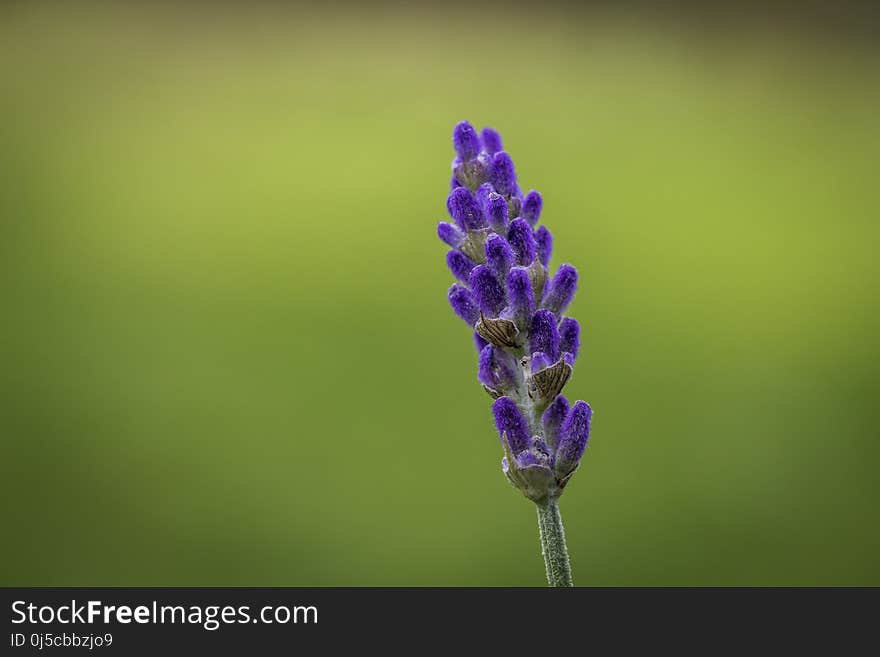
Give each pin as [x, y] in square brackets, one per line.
[539, 361]
[491, 141]
[450, 234]
[520, 296]
[453, 183]
[569, 336]
[486, 368]
[482, 194]
[463, 207]
[544, 245]
[496, 369]
[561, 289]
[573, 436]
[479, 342]
[509, 420]
[497, 212]
[463, 304]
[503, 174]
[531, 207]
[543, 335]
[499, 255]
[522, 240]
[553, 418]
[487, 291]
[460, 265]
[466, 141]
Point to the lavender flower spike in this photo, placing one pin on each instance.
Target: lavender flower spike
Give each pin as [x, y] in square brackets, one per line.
[527, 349]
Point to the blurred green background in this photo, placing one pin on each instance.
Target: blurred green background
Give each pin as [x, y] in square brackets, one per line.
[227, 356]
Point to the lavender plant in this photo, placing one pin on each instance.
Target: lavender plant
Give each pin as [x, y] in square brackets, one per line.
[527, 347]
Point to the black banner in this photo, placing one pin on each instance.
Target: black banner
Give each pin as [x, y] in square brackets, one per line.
[133, 621]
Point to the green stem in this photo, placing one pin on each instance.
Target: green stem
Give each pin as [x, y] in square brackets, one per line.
[553, 544]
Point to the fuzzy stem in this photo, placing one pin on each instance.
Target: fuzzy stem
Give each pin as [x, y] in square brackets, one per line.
[553, 544]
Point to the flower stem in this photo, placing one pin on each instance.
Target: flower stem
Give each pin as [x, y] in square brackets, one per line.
[553, 544]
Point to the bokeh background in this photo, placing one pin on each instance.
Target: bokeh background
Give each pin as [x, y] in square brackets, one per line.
[227, 356]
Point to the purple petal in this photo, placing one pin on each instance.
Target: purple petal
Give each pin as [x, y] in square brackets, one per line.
[460, 265]
[487, 291]
[499, 255]
[509, 420]
[497, 212]
[553, 418]
[570, 336]
[463, 304]
[491, 140]
[463, 207]
[573, 437]
[479, 342]
[522, 239]
[543, 335]
[503, 174]
[561, 289]
[544, 245]
[531, 207]
[450, 234]
[540, 361]
[466, 141]
[520, 296]
[496, 368]
[485, 370]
